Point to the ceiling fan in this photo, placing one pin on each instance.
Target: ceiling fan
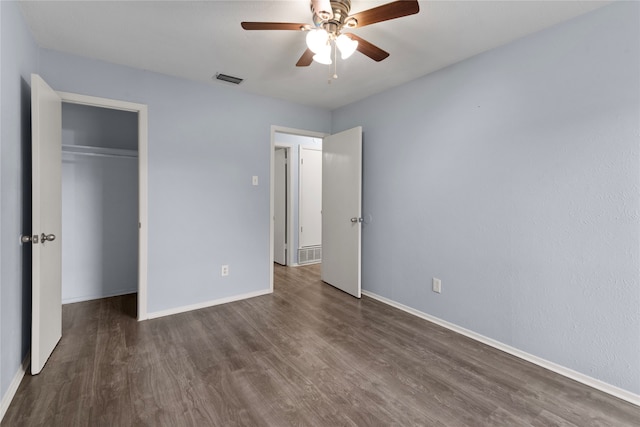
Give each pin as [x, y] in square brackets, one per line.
[330, 18]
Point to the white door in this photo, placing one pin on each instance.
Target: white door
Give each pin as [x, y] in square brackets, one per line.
[46, 305]
[341, 210]
[280, 206]
[310, 201]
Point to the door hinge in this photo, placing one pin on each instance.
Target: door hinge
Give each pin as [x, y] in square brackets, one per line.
[302, 161]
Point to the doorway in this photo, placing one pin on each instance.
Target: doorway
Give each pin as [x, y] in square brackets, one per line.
[100, 200]
[341, 205]
[105, 159]
[290, 140]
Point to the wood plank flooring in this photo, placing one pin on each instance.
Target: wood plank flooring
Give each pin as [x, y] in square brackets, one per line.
[307, 355]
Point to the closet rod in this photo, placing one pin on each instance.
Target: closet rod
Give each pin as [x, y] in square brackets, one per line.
[131, 156]
[99, 151]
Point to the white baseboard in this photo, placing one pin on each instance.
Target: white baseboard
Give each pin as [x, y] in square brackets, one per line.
[559, 369]
[94, 297]
[13, 386]
[206, 304]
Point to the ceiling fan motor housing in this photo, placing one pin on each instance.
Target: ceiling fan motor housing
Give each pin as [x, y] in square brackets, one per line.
[333, 25]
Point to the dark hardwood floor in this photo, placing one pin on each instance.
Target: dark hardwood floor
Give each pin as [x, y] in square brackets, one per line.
[306, 355]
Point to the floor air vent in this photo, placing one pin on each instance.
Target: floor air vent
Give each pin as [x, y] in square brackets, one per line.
[310, 255]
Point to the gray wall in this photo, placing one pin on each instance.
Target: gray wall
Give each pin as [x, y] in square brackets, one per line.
[296, 141]
[19, 58]
[515, 174]
[99, 204]
[514, 177]
[205, 144]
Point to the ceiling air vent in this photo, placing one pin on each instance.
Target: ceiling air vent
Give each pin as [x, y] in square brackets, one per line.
[230, 79]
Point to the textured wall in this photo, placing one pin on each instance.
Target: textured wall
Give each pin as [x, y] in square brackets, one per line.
[514, 177]
[19, 58]
[205, 144]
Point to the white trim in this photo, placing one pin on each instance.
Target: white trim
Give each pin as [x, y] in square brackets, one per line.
[198, 306]
[143, 183]
[554, 367]
[13, 386]
[280, 129]
[143, 210]
[94, 101]
[299, 132]
[289, 224]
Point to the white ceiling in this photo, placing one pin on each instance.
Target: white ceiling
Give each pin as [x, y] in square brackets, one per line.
[197, 39]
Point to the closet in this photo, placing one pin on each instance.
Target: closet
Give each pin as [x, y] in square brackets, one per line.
[99, 202]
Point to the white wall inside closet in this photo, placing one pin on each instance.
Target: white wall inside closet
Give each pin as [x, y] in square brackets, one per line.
[99, 202]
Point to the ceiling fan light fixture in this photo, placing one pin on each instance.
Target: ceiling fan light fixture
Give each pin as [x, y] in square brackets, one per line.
[346, 45]
[324, 56]
[317, 40]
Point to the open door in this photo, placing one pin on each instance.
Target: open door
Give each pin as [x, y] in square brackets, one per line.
[46, 122]
[341, 210]
[310, 200]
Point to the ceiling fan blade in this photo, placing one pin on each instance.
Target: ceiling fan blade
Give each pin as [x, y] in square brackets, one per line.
[366, 48]
[273, 26]
[306, 59]
[396, 9]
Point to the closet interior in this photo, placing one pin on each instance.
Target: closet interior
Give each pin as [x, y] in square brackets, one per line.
[99, 202]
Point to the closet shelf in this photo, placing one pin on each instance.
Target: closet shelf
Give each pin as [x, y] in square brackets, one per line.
[87, 150]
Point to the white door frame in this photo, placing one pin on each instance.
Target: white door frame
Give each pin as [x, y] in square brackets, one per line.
[288, 222]
[290, 249]
[143, 205]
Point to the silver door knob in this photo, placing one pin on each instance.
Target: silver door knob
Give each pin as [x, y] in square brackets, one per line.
[47, 237]
[356, 219]
[29, 239]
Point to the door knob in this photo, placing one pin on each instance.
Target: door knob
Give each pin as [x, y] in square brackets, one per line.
[356, 219]
[49, 237]
[29, 239]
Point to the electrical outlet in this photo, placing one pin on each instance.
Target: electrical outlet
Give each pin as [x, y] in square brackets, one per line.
[436, 285]
[224, 271]
[254, 180]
